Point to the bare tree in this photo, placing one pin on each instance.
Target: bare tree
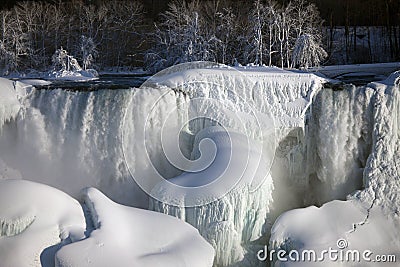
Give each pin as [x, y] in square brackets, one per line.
[308, 52]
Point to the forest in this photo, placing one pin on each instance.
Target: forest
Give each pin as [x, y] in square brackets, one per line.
[123, 34]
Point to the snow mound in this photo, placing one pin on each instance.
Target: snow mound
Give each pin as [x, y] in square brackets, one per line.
[35, 219]
[9, 104]
[126, 236]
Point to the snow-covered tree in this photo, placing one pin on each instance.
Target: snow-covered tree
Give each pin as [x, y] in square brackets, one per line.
[180, 37]
[308, 52]
[64, 62]
[87, 51]
[257, 20]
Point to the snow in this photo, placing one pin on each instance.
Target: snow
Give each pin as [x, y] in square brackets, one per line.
[9, 105]
[76, 75]
[126, 236]
[35, 219]
[35, 81]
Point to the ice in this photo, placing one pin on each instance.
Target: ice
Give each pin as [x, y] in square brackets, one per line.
[369, 219]
[126, 236]
[35, 220]
[9, 105]
[63, 136]
[72, 140]
[242, 186]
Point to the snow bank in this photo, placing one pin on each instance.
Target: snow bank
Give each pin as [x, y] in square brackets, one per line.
[369, 220]
[9, 105]
[126, 236]
[35, 220]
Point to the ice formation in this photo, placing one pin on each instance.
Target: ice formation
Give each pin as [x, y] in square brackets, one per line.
[329, 144]
[126, 236]
[71, 140]
[35, 220]
[369, 219]
[9, 104]
[240, 182]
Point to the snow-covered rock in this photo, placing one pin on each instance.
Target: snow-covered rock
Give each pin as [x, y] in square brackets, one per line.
[35, 220]
[126, 236]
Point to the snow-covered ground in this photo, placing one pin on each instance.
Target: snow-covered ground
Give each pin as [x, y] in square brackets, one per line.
[239, 146]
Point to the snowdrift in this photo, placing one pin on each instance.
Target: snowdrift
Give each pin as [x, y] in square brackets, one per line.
[125, 236]
[35, 220]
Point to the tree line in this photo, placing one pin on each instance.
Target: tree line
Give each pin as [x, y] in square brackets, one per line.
[106, 35]
[122, 33]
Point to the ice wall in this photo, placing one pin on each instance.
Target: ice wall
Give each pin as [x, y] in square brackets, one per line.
[369, 219]
[338, 141]
[9, 104]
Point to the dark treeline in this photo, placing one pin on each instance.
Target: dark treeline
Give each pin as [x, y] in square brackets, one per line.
[157, 33]
[336, 12]
[117, 34]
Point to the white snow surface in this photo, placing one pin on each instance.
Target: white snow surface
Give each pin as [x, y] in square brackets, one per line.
[126, 236]
[35, 220]
[76, 75]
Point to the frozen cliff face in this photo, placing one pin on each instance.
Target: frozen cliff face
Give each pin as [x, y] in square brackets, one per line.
[9, 104]
[35, 220]
[61, 136]
[125, 236]
[369, 220]
[235, 222]
[228, 201]
[338, 142]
